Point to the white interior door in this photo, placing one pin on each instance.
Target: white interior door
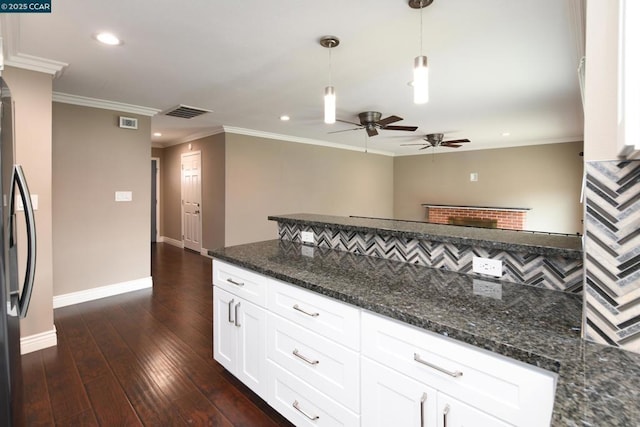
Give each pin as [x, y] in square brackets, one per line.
[191, 201]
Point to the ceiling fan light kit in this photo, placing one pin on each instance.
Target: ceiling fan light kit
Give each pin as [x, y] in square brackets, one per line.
[329, 42]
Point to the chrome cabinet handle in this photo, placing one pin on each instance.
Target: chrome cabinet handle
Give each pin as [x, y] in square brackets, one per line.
[445, 416]
[296, 405]
[454, 374]
[233, 282]
[230, 304]
[236, 313]
[306, 359]
[422, 401]
[297, 307]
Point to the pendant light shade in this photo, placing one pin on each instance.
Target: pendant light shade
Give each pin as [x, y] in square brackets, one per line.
[329, 105]
[329, 92]
[420, 66]
[420, 80]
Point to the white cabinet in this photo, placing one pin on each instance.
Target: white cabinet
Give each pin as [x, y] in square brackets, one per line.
[239, 338]
[393, 399]
[512, 391]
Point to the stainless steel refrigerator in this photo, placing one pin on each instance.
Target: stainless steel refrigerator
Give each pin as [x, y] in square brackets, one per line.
[14, 296]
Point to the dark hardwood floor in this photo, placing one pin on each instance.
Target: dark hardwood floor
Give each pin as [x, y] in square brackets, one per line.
[142, 358]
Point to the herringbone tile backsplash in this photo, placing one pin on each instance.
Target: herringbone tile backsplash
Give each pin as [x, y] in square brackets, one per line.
[531, 269]
[612, 249]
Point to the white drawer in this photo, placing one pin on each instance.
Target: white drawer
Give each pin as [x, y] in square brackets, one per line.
[326, 316]
[331, 368]
[243, 283]
[513, 391]
[284, 391]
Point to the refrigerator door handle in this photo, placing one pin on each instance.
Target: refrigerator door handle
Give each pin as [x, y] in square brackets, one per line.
[20, 181]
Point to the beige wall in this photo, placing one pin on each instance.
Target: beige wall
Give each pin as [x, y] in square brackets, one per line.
[98, 241]
[269, 177]
[545, 178]
[601, 81]
[212, 151]
[31, 93]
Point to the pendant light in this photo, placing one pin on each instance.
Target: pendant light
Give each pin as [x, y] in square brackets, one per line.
[329, 92]
[420, 64]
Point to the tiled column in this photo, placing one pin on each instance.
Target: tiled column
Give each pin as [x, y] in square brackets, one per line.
[612, 253]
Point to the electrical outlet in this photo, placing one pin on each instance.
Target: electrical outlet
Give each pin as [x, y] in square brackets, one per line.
[307, 237]
[492, 267]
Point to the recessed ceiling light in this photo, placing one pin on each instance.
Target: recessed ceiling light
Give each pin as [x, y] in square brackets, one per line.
[285, 118]
[506, 134]
[157, 134]
[108, 39]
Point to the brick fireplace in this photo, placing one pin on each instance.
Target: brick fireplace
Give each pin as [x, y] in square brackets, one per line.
[478, 216]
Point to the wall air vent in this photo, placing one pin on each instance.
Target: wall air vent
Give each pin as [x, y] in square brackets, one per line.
[186, 112]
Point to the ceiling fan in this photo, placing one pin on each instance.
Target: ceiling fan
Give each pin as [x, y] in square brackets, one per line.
[436, 140]
[371, 121]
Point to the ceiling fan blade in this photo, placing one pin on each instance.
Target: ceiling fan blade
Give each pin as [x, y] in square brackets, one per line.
[450, 145]
[413, 144]
[351, 123]
[456, 141]
[425, 147]
[344, 130]
[388, 120]
[372, 132]
[407, 128]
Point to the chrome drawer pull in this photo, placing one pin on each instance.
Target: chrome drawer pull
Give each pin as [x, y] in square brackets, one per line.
[236, 311]
[296, 405]
[454, 374]
[422, 401]
[296, 307]
[445, 415]
[306, 359]
[233, 282]
[230, 304]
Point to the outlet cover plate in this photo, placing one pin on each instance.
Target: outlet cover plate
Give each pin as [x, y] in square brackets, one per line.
[491, 267]
[307, 237]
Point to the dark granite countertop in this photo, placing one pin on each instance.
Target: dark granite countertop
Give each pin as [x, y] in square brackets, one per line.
[597, 385]
[516, 241]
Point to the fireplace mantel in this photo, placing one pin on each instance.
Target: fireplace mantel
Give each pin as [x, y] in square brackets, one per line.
[488, 208]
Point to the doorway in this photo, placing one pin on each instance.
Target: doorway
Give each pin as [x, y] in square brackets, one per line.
[191, 201]
[155, 199]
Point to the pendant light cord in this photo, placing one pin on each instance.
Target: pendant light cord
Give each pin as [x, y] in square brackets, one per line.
[421, 9]
[330, 68]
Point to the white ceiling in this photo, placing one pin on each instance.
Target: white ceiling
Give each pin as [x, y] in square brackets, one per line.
[495, 65]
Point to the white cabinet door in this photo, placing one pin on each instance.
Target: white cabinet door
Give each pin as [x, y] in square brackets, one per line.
[392, 399]
[224, 329]
[453, 413]
[252, 355]
[239, 339]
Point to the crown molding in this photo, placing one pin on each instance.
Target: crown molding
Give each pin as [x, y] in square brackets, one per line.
[85, 101]
[10, 30]
[300, 140]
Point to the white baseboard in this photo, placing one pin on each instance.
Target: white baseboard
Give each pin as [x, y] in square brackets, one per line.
[39, 341]
[169, 240]
[205, 252]
[101, 292]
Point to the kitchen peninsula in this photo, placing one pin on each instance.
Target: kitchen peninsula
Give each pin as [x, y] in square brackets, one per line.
[596, 385]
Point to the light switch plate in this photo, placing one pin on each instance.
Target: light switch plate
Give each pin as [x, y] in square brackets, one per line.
[124, 196]
[20, 205]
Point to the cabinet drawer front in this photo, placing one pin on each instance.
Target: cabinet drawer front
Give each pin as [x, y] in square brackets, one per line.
[511, 390]
[246, 284]
[329, 367]
[323, 315]
[285, 391]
